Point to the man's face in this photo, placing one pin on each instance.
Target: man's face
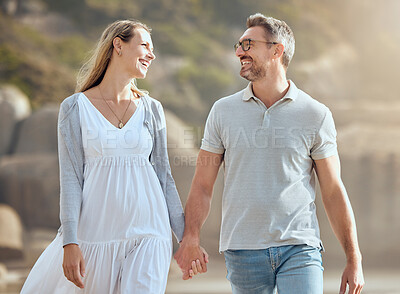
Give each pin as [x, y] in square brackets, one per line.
[254, 62]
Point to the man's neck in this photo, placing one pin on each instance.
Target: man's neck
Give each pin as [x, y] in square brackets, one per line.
[269, 90]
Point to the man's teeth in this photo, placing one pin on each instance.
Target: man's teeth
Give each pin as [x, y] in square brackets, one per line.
[246, 62]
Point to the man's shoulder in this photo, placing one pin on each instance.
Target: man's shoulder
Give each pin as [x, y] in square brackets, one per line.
[232, 99]
[311, 104]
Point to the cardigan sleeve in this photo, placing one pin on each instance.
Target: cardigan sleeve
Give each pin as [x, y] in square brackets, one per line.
[70, 156]
[163, 171]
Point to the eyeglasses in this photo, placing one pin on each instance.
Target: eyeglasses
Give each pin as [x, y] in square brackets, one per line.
[247, 43]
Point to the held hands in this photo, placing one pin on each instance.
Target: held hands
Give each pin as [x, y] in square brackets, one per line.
[353, 276]
[73, 264]
[192, 259]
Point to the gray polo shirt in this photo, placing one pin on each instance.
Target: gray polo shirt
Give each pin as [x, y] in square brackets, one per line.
[269, 190]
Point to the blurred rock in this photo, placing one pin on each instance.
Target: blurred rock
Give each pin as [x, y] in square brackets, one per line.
[30, 184]
[370, 138]
[14, 106]
[10, 234]
[3, 271]
[373, 186]
[17, 99]
[32, 7]
[182, 139]
[36, 241]
[38, 133]
[7, 123]
[9, 7]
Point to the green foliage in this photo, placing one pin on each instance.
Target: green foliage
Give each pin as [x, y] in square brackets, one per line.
[36, 78]
[30, 61]
[10, 63]
[9, 60]
[209, 80]
[198, 32]
[181, 42]
[72, 50]
[116, 8]
[65, 6]
[143, 84]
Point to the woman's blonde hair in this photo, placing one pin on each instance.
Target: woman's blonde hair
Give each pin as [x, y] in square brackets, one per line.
[92, 72]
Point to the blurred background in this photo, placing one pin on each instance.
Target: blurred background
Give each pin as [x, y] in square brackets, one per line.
[347, 57]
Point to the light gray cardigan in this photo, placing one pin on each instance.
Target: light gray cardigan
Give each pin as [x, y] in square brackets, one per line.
[71, 158]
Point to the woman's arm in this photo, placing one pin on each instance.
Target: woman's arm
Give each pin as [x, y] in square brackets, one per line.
[162, 167]
[70, 154]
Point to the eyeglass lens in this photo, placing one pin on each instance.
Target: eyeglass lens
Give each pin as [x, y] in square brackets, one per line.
[245, 44]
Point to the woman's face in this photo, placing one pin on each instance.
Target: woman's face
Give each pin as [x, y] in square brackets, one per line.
[137, 54]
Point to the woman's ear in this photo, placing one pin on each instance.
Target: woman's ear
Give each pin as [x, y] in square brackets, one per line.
[117, 43]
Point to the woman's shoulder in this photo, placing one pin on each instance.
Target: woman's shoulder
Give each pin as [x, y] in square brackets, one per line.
[153, 102]
[70, 100]
[154, 105]
[156, 112]
[68, 105]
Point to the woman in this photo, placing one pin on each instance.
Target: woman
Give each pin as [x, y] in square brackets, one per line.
[118, 198]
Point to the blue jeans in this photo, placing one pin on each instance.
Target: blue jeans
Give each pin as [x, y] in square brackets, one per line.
[289, 269]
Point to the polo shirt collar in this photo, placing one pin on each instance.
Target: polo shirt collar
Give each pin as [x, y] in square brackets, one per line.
[292, 93]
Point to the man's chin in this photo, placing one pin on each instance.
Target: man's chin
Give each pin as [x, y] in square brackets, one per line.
[246, 75]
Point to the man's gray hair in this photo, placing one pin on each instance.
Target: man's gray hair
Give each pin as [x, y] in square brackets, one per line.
[276, 31]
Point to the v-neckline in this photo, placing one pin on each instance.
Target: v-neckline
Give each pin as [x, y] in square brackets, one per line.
[104, 118]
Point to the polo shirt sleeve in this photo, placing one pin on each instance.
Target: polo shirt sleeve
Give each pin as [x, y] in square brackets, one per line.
[325, 140]
[212, 141]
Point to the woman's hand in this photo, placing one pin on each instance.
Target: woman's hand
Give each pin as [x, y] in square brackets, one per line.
[73, 264]
[196, 265]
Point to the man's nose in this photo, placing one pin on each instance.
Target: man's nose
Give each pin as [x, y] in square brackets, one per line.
[239, 51]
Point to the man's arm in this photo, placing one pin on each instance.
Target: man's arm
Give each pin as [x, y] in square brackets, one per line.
[341, 218]
[197, 210]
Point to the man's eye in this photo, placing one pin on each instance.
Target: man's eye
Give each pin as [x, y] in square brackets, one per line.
[144, 45]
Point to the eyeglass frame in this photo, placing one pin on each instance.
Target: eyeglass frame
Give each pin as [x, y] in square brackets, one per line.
[241, 44]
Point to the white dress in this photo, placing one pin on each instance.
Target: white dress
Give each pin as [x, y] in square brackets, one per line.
[124, 232]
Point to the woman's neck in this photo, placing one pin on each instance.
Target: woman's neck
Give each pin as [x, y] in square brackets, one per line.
[116, 87]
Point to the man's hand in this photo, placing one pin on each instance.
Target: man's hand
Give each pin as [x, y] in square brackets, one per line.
[73, 264]
[196, 211]
[192, 259]
[352, 275]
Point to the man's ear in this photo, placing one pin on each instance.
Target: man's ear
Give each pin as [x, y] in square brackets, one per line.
[279, 49]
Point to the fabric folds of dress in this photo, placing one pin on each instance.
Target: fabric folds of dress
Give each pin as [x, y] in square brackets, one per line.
[124, 231]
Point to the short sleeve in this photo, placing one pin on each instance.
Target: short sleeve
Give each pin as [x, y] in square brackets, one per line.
[325, 140]
[212, 141]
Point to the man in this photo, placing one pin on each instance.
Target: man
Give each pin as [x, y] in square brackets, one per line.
[270, 136]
